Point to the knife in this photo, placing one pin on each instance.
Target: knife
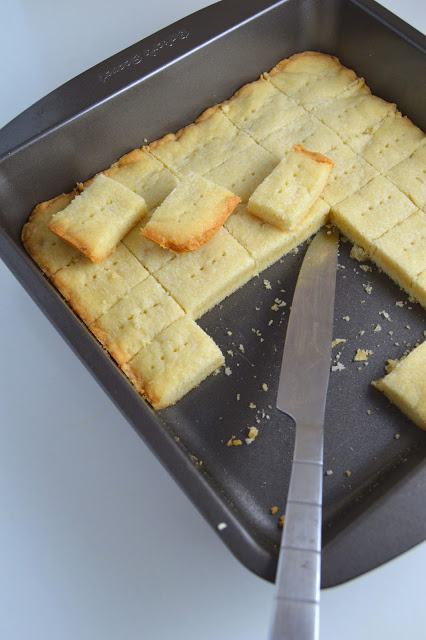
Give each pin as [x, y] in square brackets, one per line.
[302, 394]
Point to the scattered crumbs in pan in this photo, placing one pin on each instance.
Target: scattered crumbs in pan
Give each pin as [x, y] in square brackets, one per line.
[358, 253]
[264, 387]
[397, 436]
[385, 315]
[348, 473]
[377, 328]
[329, 472]
[367, 288]
[228, 371]
[221, 526]
[233, 442]
[267, 284]
[337, 341]
[252, 405]
[281, 522]
[273, 510]
[362, 355]
[346, 318]
[338, 367]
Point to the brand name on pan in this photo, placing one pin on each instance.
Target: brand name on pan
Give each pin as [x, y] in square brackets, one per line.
[182, 34]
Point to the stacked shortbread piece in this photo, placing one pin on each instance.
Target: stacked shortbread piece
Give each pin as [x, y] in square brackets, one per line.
[141, 301]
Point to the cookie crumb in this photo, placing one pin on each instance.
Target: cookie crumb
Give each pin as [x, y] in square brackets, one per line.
[267, 284]
[358, 253]
[252, 405]
[346, 318]
[228, 371]
[265, 386]
[273, 510]
[367, 288]
[241, 348]
[221, 526]
[362, 355]
[281, 522]
[397, 436]
[329, 472]
[348, 473]
[337, 341]
[338, 367]
[377, 328]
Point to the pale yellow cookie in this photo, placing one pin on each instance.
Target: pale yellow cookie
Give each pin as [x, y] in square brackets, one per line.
[405, 385]
[190, 215]
[136, 319]
[290, 191]
[176, 361]
[91, 288]
[96, 220]
[350, 173]
[410, 176]
[200, 279]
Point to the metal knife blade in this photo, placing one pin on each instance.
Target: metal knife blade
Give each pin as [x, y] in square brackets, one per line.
[302, 394]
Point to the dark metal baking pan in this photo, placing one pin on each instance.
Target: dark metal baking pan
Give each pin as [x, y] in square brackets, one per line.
[159, 85]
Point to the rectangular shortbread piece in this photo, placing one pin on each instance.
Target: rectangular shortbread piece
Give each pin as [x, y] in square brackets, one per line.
[200, 279]
[290, 191]
[176, 361]
[401, 252]
[242, 172]
[410, 176]
[200, 146]
[96, 220]
[259, 109]
[350, 173]
[135, 320]
[310, 78]
[393, 141]
[265, 242]
[307, 131]
[145, 175]
[190, 215]
[372, 211]
[91, 288]
[49, 252]
[405, 385]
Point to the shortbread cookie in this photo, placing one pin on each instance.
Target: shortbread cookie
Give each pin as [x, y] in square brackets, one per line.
[47, 250]
[259, 109]
[290, 191]
[401, 252]
[149, 254]
[242, 172]
[410, 176]
[135, 320]
[176, 361]
[145, 175]
[350, 173]
[372, 211]
[190, 215]
[91, 288]
[265, 242]
[307, 131]
[394, 140]
[405, 385]
[96, 220]
[200, 279]
[201, 146]
[311, 78]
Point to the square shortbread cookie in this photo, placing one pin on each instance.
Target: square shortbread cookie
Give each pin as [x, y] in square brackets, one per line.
[149, 254]
[405, 385]
[190, 215]
[393, 141]
[201, 146]
[373, 210]
[145, 175]
[259, 109]
[290, 191]
[418, 288]
[310, 78]
[410, 176]
[401, 252]
[242, 172]
[91, 288]
[307, 131]
[176, 361]
[49, 252]
[202, 278]
[96, 220]
[266, 243]
[135, 320]
[350, 173]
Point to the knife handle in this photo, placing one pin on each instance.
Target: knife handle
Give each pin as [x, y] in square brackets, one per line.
[296, 615]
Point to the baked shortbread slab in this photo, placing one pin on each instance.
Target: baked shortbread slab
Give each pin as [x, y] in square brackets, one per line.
[259, 109]
[373, 210]
[401, 252]
[265, 242]
[190, 215]
[96, 220]
[394, 140]
[410, 176]
[311, 78]
[176, 361]
[290, 191]
[49, 252]
[135, 320]
[149, 254]
[307, 131]
[350, 173]
[91, 288]
[242, 172]
[201, 279]
[202, 145]
[405, 385]
[145, 175]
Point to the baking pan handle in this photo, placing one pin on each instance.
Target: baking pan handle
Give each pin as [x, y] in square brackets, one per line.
[112, 76]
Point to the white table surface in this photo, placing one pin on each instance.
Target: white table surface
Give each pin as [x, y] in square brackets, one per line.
[96, 540]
